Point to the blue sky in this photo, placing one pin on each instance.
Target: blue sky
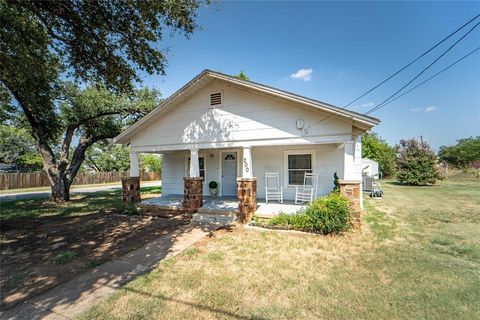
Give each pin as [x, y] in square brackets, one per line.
[349, 47]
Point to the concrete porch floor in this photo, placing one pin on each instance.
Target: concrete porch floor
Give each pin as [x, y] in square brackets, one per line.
[224, 205]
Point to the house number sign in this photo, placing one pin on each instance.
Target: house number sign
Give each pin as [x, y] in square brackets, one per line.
[245, 164]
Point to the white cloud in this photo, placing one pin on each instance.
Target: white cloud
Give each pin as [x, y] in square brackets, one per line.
[415, 109]
[304, 74]
[367, 105]
[430, 109]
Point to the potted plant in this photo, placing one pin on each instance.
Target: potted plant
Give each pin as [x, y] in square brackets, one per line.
[213, 188]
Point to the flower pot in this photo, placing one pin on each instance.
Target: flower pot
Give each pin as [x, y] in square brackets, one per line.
[213, 192]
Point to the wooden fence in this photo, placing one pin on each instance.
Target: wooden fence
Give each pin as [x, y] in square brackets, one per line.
[39, 179]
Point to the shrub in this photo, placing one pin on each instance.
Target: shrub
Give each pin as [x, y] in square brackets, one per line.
[330, 214]
[416, 163]
[64, 257]
[212, 185]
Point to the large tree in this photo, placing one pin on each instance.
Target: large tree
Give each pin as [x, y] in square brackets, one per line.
[105, 43]
[375, 148]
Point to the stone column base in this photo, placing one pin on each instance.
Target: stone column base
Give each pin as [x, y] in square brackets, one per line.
[192, 193]
[247, 198]
[131, 190]
[351, 190]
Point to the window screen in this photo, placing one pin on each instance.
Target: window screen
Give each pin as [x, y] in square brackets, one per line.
[298, 165]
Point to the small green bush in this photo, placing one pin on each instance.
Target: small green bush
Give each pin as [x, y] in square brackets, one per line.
[212, 185]
[64, 257]
[330, 214]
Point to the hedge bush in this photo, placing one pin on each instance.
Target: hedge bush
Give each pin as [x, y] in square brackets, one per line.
[330, 214]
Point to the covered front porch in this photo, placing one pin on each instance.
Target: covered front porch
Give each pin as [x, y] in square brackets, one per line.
[223, 205]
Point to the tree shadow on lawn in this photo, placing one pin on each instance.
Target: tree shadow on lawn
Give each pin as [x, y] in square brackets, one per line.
[45, 251]
[399, 184]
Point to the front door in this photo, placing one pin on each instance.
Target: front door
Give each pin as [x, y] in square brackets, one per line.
[229, 173]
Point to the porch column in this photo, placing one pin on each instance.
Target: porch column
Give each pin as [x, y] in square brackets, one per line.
[351, 184]
[194, 164]
[348, 161]
[134, 167]
[247, 163]
[246, 189]
[193, 185]
[131, 185]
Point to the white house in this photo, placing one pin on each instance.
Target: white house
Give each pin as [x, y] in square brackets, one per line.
[235, 128]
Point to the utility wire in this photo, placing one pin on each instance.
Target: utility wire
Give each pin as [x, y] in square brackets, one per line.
[410, 63]
[435, 75]
[421, 72]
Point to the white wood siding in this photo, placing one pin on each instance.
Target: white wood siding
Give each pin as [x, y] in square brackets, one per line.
[243, 116]
[328, 159]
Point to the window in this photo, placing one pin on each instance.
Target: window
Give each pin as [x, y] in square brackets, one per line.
[201, 164]
[297, 163]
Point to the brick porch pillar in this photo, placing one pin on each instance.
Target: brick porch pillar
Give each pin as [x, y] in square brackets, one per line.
[131, 190]
[192, 193]
[351, 190]
[247, 198]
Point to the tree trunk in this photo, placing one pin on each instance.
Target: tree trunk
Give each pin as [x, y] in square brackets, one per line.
[60, 186]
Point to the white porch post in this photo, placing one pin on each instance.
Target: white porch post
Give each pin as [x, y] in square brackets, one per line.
[247, 163]
[348, 161]
[134, 167]
[194, 164]
[358, 165]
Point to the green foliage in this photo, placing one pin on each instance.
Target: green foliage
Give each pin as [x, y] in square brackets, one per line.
[212, 185]
[416, 163]
[103, 46]
[94, 263]
[330, 214]
[464, 154]
[375, 148]
[131, 210]
[64, 257]
[151, 162]
[106, 157]
[242, 76]
[18, 147]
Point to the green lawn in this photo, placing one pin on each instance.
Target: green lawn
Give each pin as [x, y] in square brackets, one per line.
[38, 207]
[416, 256]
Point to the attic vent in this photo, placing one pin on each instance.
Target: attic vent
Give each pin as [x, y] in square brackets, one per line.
[215, 98]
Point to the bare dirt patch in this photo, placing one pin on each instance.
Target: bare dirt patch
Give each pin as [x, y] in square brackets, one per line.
[38, 254]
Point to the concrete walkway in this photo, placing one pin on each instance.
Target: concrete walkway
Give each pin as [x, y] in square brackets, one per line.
[75, 189]
[76, 296]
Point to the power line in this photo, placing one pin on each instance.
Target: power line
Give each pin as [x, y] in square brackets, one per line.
[410, 63]
[421, 72]
[435, 75]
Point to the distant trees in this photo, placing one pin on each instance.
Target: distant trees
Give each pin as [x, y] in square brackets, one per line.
[242, 76]
[105, 157]
[375, 148]
[464, 154]
[18, 147]
[416, 163]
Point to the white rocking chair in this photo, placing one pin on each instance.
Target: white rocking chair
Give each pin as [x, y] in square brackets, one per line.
[307, 192]
[273, 190]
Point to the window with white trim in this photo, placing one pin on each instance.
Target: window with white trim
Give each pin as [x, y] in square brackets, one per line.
[297, 163]
[201, 164]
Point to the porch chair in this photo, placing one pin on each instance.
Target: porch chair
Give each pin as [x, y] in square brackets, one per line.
[307, 192]
[273, 190]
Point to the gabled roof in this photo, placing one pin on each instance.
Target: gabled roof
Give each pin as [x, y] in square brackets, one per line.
[207, 76]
